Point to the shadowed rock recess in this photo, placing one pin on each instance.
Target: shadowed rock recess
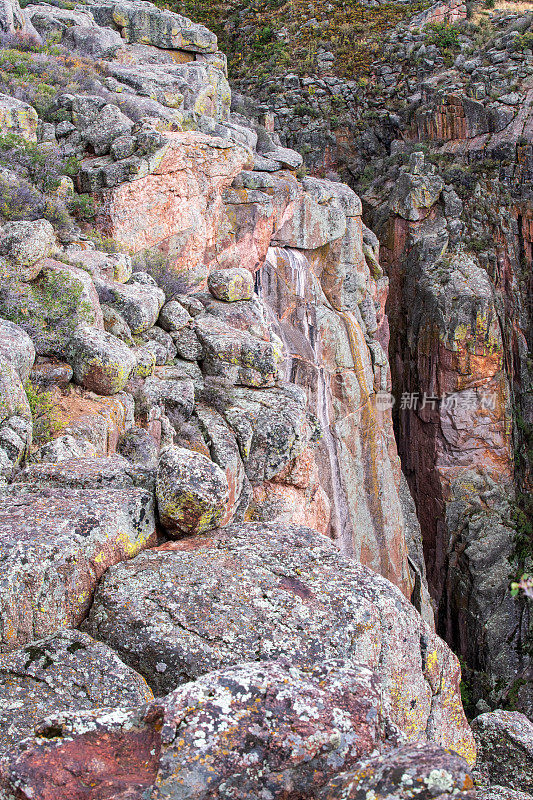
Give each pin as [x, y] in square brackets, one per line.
[218, 580]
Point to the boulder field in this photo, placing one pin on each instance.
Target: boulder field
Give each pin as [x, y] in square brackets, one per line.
[212, 582]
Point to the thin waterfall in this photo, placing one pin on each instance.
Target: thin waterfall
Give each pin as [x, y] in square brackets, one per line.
[291, 294]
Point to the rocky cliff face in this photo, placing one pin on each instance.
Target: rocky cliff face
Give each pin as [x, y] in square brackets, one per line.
[213, 580]
[435, 135]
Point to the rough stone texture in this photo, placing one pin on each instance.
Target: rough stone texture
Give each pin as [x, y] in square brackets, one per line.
[139, 305]
[261, 591]
[23, 245]
[231, 284]
[504, 741]
[273, 729]
[113, 472]
[50, 308]
[68, 671]
[414, 771]
[173, 316]
[145, 23]
[16, 116]
[169, 208]
[138, 447]
[192, 492]
[101, 362]
[55, 545]
[108, 753]
[301, 724]
[17, 348]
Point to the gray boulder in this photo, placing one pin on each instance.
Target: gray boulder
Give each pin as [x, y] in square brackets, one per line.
[173, 316]
[504, 741]
[55, 544]
[68, 671]
[17, 348]
[101, 362]
[231, 284]
[260, 592]
[139, 304]
[23, 245]
[138, 447]
[192, 492]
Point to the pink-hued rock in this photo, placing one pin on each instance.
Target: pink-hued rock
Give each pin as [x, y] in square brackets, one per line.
[177, 207]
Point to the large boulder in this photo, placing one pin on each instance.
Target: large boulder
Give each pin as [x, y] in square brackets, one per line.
[52, 306]
[504, 741]
[138, 304]
[418, 771]
[66, 671]
[23, 245]
[15, 418]
[143, 22]
[55, 544]
[101, 362]
[192, 492]
[237, 355]
[17, 348]
[231, 284]
[85, 472]
[256, 730]
[16, 116]
[262, 591]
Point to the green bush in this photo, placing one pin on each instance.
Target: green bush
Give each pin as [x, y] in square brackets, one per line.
[45, 414]
[443, 35]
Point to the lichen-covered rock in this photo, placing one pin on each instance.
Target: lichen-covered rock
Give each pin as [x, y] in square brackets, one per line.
[101, 362]
[68, 671]
[237, 355]
[138, 304]
[301, 724]
[23, 245]
[47, 373]
[55, 543]
[16, 116]
[113, 472]
[99, 123]
[138, 447]
[501, 793]
[63, 448]
[419, 771]
[231, 284]
[17, 348]
[272, 427]
[192, 492]
[504, 741]
[145, 23]
[106, 753]
[265, 591]
[173, 316]
[15, 418]
[169, 389]
[50, 308]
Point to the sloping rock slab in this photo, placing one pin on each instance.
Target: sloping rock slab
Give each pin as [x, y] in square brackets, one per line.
[114, 472]
[55, 543]
[260, 592]
[67, 671]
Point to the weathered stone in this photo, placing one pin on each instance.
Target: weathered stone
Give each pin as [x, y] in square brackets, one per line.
[68, 671]
[93, 41]
[504, 741]
[53, 306]
[168, 209]
[101, 362]
[138, 304]
[16, 116]
[115, 324]
[263, 591]
[192, 492]
[24, 244]
[114, 472]
[144, 22]
[238, 356]
[414, 771]
[138, 447]
[231, 284]
[170, 390]
[47, 373]
[63, 448]
[17, 348]
[173, 316]
[56, 544]
[15, 419]
[108, 266]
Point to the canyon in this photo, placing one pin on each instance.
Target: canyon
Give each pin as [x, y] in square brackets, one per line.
[238, 559]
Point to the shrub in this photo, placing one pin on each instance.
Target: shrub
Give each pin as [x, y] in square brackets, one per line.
[45, 414]
[443, 35]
